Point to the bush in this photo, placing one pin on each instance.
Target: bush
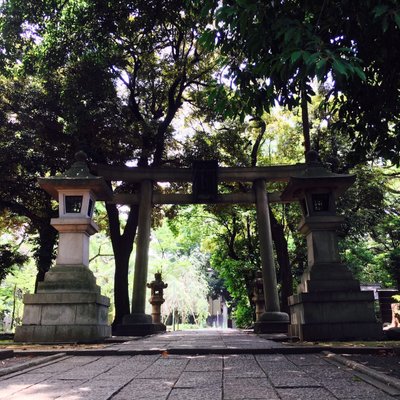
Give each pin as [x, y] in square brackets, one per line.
[243, 315]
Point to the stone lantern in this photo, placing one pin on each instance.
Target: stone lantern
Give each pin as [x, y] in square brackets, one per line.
[329, 304]
[157, 298]
[76, 191]
[68, 306]
[258, 295]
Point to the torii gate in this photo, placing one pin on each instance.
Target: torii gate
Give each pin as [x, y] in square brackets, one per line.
[205, 176]
[329, 303]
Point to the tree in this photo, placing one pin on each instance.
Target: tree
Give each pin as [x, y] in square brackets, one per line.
[236, 256]
[9, 258]
[272, 51]
[38, 137]
[375, 226]
[26, 110]
[148, 58]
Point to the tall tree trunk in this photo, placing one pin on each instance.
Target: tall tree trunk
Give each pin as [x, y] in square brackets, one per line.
[305, 118]
[281, 247]
[122, 246]
[44, 253]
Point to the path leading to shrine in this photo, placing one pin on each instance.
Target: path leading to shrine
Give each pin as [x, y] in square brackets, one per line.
[193, 365]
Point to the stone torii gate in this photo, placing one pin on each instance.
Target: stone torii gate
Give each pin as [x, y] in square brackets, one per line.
[329, 304]
[205, 176]
[68, 306]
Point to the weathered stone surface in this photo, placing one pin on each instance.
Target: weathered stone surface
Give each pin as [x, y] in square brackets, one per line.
[166, 377]
[60, 368]
[203, 363]
[61, 333]
[149, 389]
[199, 379]
[305, 394]
[328, 372]
[61, 313]
[248, 388]
[242, 366]
[354, 388]
[14, 386]
[196, 394]
[292, 378]
[306, 359]
[165, 368]
[69, 279]
[90, 392]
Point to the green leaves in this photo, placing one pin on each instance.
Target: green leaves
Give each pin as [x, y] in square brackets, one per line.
[387, 14]
[10, 257]
[339, 67]
[380, 9]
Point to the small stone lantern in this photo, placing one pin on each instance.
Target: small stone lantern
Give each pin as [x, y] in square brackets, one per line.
[68, 306]
[258, 295]
[329, 304]
[157, 298]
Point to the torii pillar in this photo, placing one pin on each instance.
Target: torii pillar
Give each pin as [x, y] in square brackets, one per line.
[273, 320]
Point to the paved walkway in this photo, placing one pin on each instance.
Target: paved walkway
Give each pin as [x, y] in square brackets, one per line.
[171, 374]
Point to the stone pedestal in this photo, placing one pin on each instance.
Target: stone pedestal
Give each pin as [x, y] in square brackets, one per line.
[67, 308]
[272, 322]
[338, 315]
[329, 304]
[136, 324]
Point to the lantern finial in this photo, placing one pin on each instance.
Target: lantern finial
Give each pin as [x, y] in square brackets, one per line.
[81, 156]
[312, 157]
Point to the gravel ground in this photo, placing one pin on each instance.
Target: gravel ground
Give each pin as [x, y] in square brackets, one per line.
[387, 362]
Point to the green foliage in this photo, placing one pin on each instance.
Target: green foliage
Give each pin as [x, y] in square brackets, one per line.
[243, 315]
[371, 234]
[183, 267]
[12, 289]
[273, 51]
[111, 77]
[10, 257]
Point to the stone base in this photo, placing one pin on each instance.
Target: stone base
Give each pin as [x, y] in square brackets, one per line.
[69, 279]
[271, 327]
[135, 330]
[329, 277]
[62, 333]
[272, 322]
[392, 333]
[334, 316]
[137, 324]
[337, 331]
[64, 318]
[160, 327]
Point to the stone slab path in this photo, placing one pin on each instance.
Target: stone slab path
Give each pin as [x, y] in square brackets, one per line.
[166, 376]
[203, 340]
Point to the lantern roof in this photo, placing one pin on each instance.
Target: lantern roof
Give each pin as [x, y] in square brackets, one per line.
[77, 177]
[315, 176]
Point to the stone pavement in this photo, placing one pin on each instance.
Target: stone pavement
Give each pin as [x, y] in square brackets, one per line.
[170, 368]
